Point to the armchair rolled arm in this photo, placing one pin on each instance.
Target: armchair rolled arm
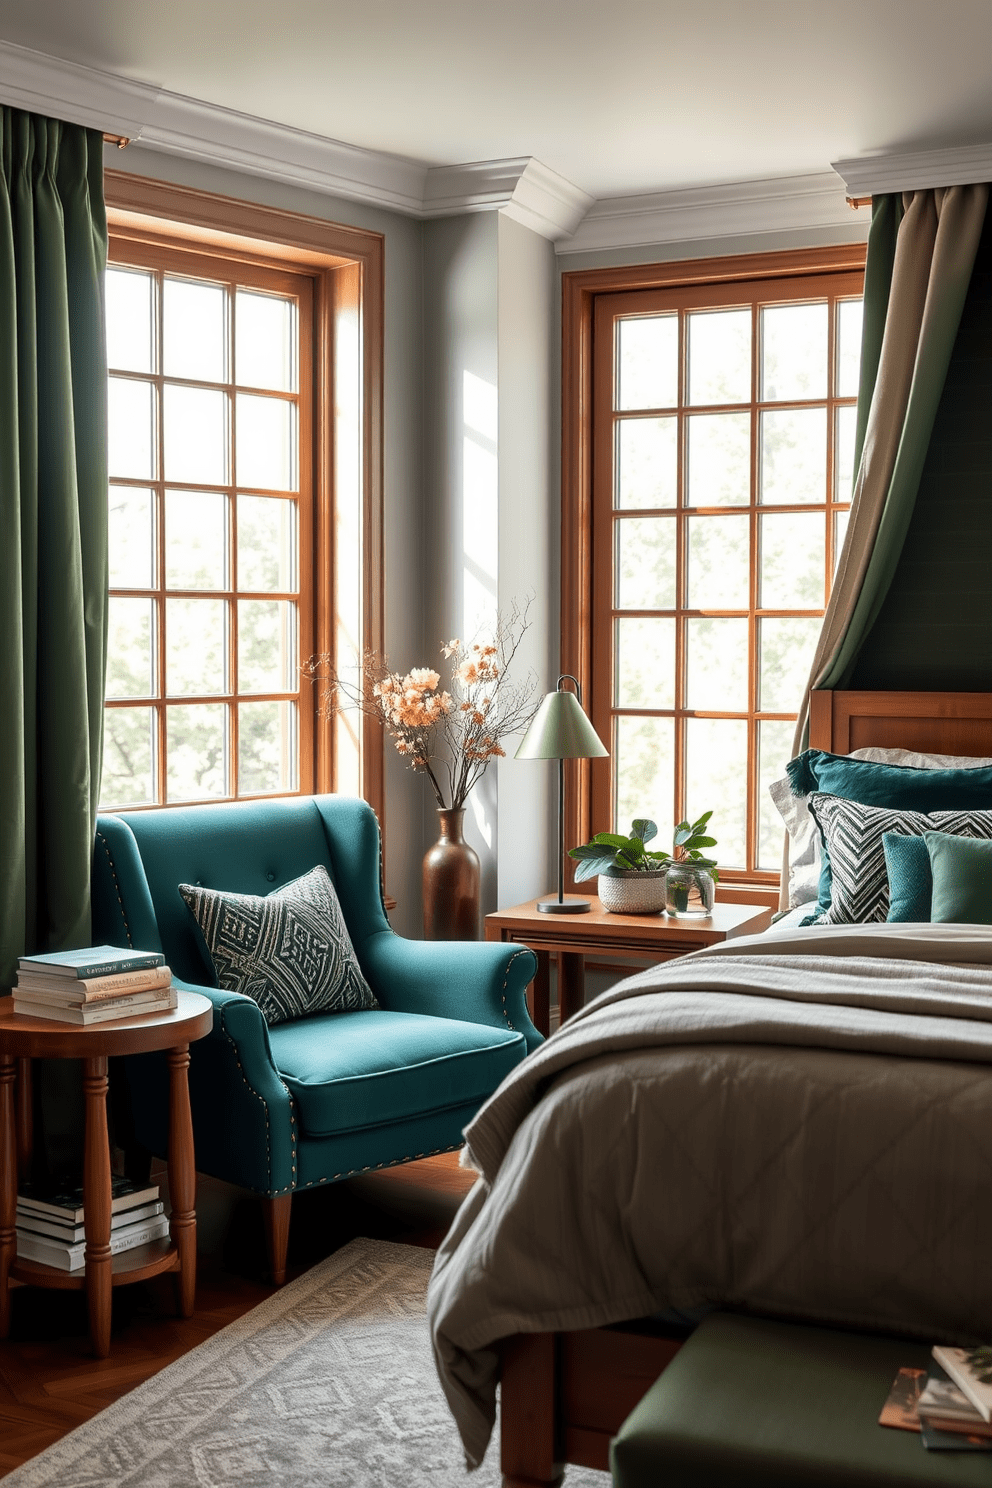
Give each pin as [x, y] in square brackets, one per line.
[238, 1021]
[477, 981]
[242, 1112]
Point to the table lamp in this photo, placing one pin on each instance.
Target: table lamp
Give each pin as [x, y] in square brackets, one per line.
[560, 730]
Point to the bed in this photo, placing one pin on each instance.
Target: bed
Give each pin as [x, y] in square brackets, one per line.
[573, 1364]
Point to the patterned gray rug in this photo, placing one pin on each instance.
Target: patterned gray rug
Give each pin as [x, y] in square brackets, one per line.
[330, 1381]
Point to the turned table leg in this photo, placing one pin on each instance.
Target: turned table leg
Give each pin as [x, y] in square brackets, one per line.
[25, 1120]
[182, 1177]
[96, 1205]
[8, 1188]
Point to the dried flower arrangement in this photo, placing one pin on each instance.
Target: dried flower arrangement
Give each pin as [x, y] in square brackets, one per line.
[451, 734]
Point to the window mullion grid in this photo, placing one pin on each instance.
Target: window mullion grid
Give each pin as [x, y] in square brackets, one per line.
[161, 752]
[830, 495]
[754, 561]
[681, 576]
[233, 712]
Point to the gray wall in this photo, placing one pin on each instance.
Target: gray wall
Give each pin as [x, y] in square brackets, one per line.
[529, 539]
[773, 242]
[491, 507]
[461, 465]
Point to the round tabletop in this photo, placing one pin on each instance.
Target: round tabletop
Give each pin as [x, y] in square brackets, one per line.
[24, 1037]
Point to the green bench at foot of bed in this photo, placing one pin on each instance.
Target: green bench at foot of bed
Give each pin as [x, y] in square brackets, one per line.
[749, 1403]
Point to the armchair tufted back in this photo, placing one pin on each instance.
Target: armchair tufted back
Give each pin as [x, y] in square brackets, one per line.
[249, 847]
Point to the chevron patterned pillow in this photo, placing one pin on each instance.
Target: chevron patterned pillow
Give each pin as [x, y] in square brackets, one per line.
[852, 834]
[289, 950]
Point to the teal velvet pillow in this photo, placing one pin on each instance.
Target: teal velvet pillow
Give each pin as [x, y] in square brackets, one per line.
[907, 863]
[962, 879]
[894, 786]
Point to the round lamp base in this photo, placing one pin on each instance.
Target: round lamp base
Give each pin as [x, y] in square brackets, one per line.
[564, 906]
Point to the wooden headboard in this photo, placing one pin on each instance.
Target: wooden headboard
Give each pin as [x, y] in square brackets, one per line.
[931, 722]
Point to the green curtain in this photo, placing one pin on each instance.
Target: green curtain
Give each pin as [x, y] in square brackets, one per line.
[53, 518]
[886, 215]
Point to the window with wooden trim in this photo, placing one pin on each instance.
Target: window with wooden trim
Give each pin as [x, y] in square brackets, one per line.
[245, 496]
[719, 457]
[210, 455]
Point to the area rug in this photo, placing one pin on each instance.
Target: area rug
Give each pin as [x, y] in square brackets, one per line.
[329, 1381]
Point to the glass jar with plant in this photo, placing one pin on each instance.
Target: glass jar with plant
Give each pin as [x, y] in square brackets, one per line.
[691, 877]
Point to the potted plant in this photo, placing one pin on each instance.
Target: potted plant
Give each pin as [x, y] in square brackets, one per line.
[691, 877]
[631, 879]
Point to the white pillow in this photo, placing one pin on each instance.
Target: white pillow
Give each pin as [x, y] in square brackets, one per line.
[804, 840]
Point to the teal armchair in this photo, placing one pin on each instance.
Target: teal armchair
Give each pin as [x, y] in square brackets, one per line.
[301, 1104]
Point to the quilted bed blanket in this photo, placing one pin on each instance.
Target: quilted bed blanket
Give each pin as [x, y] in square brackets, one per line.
[797, 1124]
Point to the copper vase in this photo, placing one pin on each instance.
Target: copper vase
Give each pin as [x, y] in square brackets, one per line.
[451, 883]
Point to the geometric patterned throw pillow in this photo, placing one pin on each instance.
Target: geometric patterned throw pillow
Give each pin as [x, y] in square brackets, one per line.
[859, 889]
[289, 950]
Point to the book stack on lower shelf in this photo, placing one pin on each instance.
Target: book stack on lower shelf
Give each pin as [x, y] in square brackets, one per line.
[50, 1223]
[950, 1404]
[94, 985]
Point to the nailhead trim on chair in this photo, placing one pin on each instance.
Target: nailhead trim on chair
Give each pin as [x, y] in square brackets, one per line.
[127, 928]
[506, 981]
[290, 1187]
[382, 871]
[373, 1167]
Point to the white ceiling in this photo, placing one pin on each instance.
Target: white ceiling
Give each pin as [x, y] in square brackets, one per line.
[618, 96]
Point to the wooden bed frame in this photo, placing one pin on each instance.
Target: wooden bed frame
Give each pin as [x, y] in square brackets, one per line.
[564, 1395]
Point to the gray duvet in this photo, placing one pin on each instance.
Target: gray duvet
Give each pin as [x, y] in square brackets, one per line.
[797, 1124]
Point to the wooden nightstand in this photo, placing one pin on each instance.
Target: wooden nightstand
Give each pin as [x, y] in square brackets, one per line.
[571, 938]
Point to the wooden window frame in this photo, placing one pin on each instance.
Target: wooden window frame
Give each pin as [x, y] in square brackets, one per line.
[587, 782]
[346, 268]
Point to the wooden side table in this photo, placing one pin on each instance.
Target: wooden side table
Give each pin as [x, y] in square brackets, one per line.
[654, 937]
[22, 1039]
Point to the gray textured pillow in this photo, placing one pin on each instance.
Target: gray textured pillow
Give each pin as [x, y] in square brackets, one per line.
[289, 950]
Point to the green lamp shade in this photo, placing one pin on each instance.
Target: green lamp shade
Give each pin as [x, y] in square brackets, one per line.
[561, 730]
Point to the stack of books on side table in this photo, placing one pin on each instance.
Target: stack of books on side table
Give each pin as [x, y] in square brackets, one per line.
[50, 1222]
[94, 985]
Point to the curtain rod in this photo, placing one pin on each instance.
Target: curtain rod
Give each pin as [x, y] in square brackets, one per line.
[120, 140]
[854, 202]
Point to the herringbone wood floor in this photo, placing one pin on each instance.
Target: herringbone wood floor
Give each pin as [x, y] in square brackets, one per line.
[49, 1381]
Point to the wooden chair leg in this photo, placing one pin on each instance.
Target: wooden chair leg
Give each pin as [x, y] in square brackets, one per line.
[277, 1212]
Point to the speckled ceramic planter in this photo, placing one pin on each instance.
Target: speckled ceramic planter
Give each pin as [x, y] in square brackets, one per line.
[632, 892]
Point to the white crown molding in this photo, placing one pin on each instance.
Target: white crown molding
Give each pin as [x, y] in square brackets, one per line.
[524, 189]
[219, 136]
[732, 210]
[915, 170]
[203, 131]
[82, 95]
